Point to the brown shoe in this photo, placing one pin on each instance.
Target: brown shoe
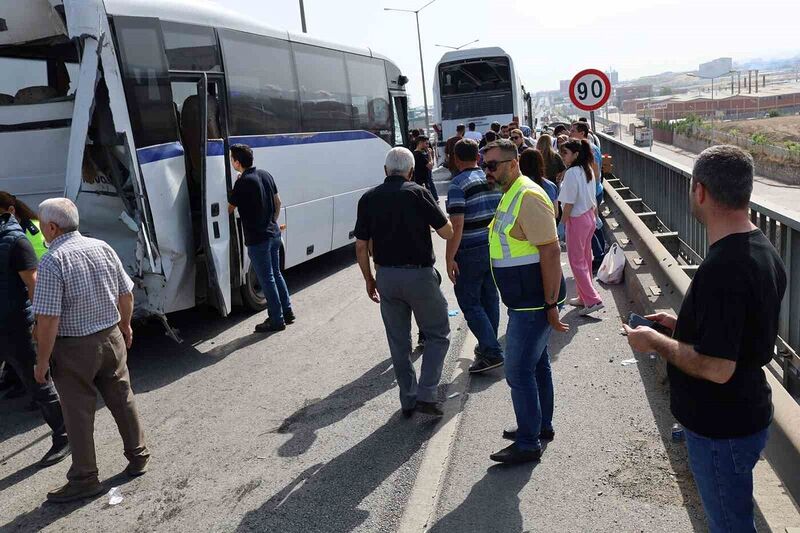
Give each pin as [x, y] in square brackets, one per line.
[137, 466]
[75, 491]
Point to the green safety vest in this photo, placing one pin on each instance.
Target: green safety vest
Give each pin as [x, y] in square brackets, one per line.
[515, 263]
[36, 238]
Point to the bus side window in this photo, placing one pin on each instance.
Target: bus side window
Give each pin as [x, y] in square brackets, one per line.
[146, 79]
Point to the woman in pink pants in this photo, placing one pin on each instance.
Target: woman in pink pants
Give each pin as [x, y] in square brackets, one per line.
[577, 197]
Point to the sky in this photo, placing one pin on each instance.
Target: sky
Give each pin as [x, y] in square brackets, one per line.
[549, 40]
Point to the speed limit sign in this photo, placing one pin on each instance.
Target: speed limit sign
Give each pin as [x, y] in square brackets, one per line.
[589, 89]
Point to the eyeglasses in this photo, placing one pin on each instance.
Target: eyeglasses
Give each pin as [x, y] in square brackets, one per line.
[492, 165]
[514, 137]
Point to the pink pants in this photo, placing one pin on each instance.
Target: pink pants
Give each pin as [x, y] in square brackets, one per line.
[579, 251]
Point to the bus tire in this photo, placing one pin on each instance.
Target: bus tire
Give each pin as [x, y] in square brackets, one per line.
[252, 297]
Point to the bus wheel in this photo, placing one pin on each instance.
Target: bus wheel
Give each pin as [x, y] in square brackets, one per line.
[252, 297]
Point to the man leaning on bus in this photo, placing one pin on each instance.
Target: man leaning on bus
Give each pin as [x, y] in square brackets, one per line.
[83, 304]
[256, 196]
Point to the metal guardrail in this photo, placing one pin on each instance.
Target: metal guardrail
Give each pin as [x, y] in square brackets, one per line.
[663, 188]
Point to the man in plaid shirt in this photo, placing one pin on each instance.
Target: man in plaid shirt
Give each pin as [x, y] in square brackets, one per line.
[83, 305]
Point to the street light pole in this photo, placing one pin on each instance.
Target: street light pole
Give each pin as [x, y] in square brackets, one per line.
[303, 16]
[422, 72]
[421, 62]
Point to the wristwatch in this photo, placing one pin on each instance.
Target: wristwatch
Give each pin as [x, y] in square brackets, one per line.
[548, 306]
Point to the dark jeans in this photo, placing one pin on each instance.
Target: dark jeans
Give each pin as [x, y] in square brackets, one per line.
[723, 471]
[266, 260]
[528, 374]
[21, 355]
[478, 299]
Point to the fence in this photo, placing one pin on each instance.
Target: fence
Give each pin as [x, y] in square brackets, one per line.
[664, 188]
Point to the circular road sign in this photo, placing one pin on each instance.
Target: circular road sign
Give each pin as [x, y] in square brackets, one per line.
[590, 89]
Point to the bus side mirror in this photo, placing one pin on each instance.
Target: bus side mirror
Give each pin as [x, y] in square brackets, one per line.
[402, 80]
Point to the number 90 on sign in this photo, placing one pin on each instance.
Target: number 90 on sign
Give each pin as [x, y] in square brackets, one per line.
[590, 89]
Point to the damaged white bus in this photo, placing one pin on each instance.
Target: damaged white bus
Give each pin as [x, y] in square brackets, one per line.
[128, 108]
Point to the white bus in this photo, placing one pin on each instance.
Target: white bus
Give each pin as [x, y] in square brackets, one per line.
[477, 85]
[128, 107]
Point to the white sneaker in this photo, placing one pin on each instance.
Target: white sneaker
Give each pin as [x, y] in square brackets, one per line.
[591, 309]
[575, 302]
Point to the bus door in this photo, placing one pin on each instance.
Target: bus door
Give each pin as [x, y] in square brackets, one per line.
[400, 118]
[199, 106]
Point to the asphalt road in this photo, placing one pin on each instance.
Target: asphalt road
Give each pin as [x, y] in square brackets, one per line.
[299, 431]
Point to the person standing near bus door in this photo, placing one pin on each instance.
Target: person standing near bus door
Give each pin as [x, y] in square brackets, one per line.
[256, 196]
[397, 216]
[423, 164]
[18, 265]
[471, 204]
[84, 304]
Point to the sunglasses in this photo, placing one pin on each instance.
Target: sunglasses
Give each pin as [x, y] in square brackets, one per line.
[492, 165]
[514, 138]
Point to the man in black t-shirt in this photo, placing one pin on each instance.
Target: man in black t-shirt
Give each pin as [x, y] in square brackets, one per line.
[725, 332]
[256, 196]
[397, 217]
[17, 282]
[423, 163]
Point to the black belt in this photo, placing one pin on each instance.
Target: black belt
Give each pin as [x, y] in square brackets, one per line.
[407, 267]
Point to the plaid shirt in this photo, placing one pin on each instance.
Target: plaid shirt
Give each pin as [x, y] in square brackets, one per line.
[80, 280]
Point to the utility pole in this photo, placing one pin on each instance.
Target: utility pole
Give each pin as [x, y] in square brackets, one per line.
[421, 62]
[303, 16]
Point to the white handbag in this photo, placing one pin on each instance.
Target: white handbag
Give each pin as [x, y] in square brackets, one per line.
[612, 268]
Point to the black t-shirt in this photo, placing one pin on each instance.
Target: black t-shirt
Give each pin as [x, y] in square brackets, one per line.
[422, 174]
[254, 194]
[397, 216]
[731, 312]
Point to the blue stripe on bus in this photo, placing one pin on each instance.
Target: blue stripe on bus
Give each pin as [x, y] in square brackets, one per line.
[159, 152]
[263, 141]
[217, 147]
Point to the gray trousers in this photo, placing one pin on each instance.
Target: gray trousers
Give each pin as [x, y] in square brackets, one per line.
[402, 292]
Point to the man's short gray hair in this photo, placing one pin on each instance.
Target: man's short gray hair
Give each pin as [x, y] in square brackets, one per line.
[726, 171]
[61, 212]
[399, 161]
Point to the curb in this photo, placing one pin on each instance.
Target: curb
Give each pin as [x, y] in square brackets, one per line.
[424, 498]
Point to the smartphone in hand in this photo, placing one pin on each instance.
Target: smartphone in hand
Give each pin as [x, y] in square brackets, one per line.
[634, 321]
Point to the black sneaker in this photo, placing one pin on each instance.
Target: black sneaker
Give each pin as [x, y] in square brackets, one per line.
[545, 434]
[421, 340]
[408, 413]
[429, 408]
[57, 453]
[289, 317]
[513, 455]
[484, 364]
[267, 326]
[477, 351]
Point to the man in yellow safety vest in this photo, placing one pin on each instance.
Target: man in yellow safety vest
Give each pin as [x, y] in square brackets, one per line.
[526, 265]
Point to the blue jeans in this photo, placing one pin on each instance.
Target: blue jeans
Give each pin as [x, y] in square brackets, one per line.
[478, 299]
[723, 471]
[528, 374]
[266, 260]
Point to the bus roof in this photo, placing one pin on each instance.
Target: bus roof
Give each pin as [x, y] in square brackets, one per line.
[207, 13]
[472, 53]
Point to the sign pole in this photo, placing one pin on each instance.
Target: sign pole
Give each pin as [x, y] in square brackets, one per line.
[591, 119]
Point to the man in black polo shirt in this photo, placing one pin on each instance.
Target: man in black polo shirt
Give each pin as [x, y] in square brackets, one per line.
[256, 196]
[397, 217]
[725, 332]
[423, 163]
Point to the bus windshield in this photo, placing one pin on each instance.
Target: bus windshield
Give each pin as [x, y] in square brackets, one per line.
[475, 76]
[476, 87]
